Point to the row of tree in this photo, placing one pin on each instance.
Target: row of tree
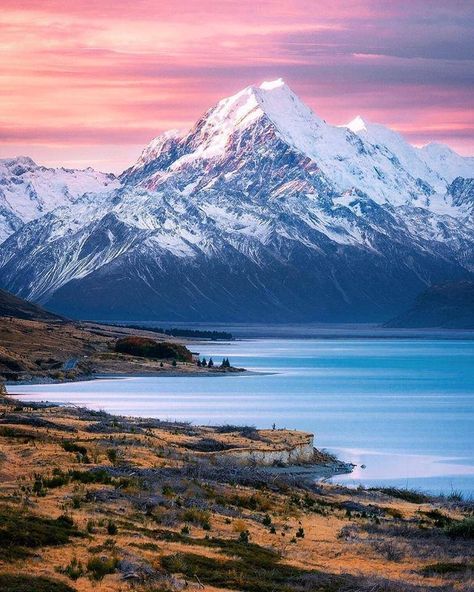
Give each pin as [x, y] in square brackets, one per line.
[205, 364]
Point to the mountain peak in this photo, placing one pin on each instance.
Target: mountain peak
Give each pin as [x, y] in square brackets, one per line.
[19, 160]
[273, 84]
[292, 118]
[357, 125]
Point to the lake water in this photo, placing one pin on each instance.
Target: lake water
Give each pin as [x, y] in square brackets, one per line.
[402, 407]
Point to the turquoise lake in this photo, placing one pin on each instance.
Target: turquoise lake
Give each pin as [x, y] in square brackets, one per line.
[401, 407]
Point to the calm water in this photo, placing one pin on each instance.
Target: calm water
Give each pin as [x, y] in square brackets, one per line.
[404, 408]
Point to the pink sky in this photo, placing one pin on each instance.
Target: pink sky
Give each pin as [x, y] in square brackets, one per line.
[91, 82]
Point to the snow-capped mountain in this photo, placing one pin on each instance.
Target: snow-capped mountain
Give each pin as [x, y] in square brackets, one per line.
[262, 211]
[27, 190]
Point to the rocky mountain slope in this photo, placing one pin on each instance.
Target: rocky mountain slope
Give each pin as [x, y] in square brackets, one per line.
[261, 212]
[449, 305]
[28, 191]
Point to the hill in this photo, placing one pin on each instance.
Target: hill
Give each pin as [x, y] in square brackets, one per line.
[13, 306]
[449, 305]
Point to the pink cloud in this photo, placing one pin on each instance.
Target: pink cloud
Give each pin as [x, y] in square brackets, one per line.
[113, 73]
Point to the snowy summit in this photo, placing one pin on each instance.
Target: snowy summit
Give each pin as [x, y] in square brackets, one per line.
[262, 207]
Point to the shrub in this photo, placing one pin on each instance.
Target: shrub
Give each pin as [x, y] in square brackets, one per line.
[90, 526]
[20, 531]
[98, 567]
[112, 455]
[74, 570]
[239, 526]
[197, 516]
[389, 550]
[57, 480]
[111, 528]
[144, 347]
[394, 513]
[409, 495]
[462, 529]
[73, 447]
[27, 583]
[251, 571]
[167, 490]
[300, 533]
[256, 501]
[446, 568]
[440, 519]
[244, 537]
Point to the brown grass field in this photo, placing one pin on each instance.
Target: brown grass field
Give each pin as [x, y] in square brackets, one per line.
[92, 502]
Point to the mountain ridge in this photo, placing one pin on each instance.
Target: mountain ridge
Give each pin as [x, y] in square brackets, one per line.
[261, 211]
[29, 190]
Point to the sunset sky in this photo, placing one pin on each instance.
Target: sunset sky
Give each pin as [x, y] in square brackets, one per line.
[88, 82]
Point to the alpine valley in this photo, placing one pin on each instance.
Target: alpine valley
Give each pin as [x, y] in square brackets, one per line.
[261, 212]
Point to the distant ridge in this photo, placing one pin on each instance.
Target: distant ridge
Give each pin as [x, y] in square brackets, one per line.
[449, 305]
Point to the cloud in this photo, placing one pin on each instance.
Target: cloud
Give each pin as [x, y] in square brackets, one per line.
[117, 73]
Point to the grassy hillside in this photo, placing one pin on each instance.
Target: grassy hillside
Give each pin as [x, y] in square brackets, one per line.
[13, 306]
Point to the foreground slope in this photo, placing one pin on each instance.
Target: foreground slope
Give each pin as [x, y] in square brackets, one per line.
[261, 212]
[110, 503]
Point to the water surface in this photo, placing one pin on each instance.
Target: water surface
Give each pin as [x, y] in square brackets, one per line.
[402, 407]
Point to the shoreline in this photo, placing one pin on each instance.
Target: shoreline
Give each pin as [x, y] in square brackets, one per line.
[119, 376]
[89, 497]
[304, 467]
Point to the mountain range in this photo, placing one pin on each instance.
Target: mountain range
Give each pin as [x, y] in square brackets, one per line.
[262, 211]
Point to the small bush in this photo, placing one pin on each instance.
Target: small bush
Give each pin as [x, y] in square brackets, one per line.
[73, 447]
[456, 496]
[167, 490]
[111, 528]
[90, 526]
[446, 568]
[74, 570]
[256, 501]
[439, 519]
[462, 529]
[19, 531]
[197, 516]
[300, 533]
[390, 550]
[394, 513]
[112, 455]
[409, 495]
[27, 583]
[267, 521]
[244, 537]
[99, 567]
[239, 526]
